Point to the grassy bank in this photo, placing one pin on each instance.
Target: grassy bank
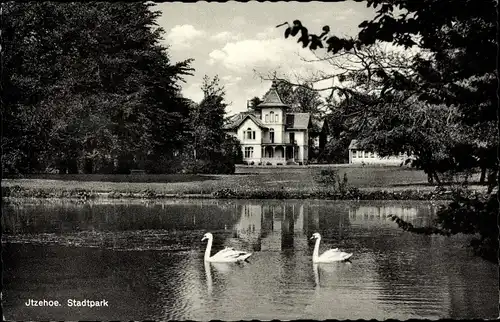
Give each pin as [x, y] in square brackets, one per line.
[365, 183]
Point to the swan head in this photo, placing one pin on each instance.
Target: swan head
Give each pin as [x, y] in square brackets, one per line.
[207, 236]
[316, 236]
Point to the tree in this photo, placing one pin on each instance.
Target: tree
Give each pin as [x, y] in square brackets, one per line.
[213, 150]
[88, 85]
[439, 74]
[452, 78]
[254, 102]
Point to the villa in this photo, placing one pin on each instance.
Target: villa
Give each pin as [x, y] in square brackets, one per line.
[271, 136]
[360, 156]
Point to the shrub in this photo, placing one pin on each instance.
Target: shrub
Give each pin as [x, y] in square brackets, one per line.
[327, 177]
[330, 178]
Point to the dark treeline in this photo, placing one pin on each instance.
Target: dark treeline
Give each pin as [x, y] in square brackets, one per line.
[89, 88]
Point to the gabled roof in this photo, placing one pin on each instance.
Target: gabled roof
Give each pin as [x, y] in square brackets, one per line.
[297, 121]
[236, 120]
[272, 98]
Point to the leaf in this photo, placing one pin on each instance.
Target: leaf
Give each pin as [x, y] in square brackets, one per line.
[305, 41]
[287, 32]
[297, 25]
[364, 24]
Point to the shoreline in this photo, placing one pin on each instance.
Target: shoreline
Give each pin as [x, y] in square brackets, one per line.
[376, 193]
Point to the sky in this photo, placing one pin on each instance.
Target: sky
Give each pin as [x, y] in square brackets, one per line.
[239, 42]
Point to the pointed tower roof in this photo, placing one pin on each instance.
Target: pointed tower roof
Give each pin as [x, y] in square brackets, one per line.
[272, 98]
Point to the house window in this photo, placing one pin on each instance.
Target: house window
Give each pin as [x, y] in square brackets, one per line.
[271, 116]
[271, 153]
[250, 134]
[267, 118]
[277, 118]
[358, 154]
[373, 155]
[354, 153]
[248, 152]
[292, 138]
[271, 135]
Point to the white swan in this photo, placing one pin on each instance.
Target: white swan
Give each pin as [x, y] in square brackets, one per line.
[224, 256]
[330, 256]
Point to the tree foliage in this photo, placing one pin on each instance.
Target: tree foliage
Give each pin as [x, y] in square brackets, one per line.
[466, 215]
[87, 87]
[439, 103]
[214, 151]
[452, 73]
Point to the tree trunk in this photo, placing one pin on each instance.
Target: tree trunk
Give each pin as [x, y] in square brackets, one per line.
[72, 166]
[437, 178]
[430, 179]
[89, 166]
[492, 179]
[483, 175]
[62, 167]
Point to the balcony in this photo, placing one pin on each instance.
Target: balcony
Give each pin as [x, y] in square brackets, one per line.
[286, 142]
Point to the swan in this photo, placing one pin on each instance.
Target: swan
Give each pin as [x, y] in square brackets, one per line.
[226, 255]
[330, 256]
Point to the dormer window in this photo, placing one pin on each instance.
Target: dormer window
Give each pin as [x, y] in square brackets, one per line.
[271, 114]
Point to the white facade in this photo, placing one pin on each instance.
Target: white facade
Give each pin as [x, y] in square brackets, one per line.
[366, 157]
[272, 136]
[357, 155]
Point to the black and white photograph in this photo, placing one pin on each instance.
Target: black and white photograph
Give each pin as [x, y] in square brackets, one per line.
[254, 160]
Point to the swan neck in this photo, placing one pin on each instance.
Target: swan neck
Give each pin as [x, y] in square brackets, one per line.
[316, 249]
[209, 247]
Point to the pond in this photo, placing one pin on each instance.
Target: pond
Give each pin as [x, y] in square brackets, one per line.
[145, 259]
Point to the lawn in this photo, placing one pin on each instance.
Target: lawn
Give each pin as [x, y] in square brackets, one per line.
[297, 180]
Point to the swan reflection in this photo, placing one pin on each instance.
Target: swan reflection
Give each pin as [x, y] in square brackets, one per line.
[220, 269]
[208, 273]
[334, 271]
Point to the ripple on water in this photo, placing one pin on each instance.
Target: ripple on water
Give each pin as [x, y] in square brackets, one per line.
[134, 240]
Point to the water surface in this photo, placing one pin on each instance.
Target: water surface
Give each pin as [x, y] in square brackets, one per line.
[146, 260]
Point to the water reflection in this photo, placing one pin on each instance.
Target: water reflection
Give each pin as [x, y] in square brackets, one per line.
[325, 274]
[153, 255]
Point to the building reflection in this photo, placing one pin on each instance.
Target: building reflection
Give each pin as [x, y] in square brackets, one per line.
[273, 226]
[277, 226]
[366, 215]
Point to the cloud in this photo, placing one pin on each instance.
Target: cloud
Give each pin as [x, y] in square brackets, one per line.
[225, 36]
[230, 80]
[238, 21]
[182, 35]
[193, 91]
[246, 55]
[269, 32]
